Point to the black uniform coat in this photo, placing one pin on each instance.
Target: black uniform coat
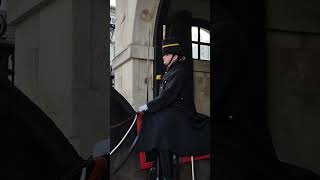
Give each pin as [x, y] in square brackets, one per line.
[171, 122]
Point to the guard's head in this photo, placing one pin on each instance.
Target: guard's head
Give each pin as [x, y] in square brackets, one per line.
[171, 51]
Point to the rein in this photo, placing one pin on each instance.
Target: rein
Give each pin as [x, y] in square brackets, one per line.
[85, 163]
[122, 122]
[131, 147]
[125, 136]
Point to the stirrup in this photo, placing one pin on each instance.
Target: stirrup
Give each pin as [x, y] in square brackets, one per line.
[152, 173]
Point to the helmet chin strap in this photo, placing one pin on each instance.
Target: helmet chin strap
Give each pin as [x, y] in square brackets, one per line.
[171, 61]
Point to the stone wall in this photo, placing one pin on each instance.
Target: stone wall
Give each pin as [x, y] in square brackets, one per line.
[201, 77]
[294, 91]
[62, 64]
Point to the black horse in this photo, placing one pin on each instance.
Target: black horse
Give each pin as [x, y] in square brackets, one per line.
[121, 119]
[122, 116]
[34, 148]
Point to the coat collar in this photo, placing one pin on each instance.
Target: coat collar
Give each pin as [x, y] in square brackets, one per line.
[173, 66]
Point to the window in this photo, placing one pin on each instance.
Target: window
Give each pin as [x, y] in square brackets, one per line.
[200, 43]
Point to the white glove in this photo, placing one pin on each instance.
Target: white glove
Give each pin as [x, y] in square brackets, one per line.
[143, 108]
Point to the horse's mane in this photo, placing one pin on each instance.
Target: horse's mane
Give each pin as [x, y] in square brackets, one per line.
[120, 102]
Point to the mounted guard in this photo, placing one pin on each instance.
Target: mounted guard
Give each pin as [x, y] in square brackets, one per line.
[171, 125]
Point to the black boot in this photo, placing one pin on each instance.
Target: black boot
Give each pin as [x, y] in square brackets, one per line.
[153, 173]
[176, 167]
[165, 165]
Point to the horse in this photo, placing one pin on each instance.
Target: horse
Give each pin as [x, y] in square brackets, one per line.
[122, 116]
[34, 146]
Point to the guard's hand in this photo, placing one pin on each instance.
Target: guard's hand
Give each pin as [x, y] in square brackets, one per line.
[143, 108]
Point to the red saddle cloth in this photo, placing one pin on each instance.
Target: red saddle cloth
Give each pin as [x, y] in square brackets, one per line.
[144, 164]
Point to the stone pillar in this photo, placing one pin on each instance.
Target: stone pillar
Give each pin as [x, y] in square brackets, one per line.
[61, 64]
[134, 38]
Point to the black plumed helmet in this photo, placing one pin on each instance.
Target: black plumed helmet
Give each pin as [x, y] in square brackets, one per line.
[171, 46]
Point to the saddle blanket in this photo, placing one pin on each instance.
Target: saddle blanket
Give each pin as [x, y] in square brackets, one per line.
[146, 160]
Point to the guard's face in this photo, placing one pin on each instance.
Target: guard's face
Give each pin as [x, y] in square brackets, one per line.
[167, 58]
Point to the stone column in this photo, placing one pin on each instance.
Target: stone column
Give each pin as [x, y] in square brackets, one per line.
[90, 72]
[62, 64]
[133, 42]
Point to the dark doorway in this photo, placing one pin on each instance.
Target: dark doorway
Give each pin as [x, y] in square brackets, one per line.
[177, 23]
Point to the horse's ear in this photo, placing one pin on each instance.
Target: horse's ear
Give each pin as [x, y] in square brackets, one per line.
[101, 148]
